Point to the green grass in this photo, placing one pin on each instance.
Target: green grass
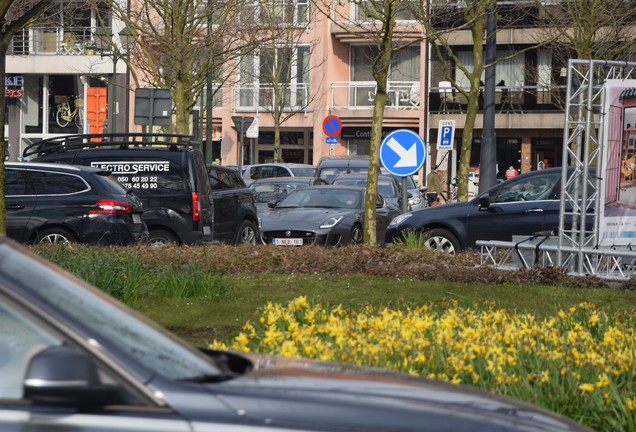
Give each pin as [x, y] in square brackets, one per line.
[206, 294]
[202, 320]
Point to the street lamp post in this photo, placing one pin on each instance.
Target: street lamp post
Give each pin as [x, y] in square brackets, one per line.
[108, 47]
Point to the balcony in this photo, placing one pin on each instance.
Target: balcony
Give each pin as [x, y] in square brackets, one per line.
[51, 41]
[263, 97]
[508, 100]
[359, 95]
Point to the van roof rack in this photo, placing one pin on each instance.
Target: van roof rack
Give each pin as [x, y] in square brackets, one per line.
[109, 141]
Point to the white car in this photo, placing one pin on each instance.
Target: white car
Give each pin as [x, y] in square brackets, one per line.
[267, 170]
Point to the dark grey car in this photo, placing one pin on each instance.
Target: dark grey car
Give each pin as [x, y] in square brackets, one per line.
[524, 205]
[329, 167]
[56, 203]
[274, 189]
[76, 360]
[328, 215]
[235, 220]
[388, 186]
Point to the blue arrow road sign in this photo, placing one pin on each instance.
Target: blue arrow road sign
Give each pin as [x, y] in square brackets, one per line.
[331, 140]
[402, 152]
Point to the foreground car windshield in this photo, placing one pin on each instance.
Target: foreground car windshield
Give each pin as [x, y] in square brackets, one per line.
[107, 322]
[324, 197]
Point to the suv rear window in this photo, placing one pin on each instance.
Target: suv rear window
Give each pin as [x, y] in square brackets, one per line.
[55, 183]
[143, 176]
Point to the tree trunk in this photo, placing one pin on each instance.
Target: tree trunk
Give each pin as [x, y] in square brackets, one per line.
[182, 120]
[370, 229]
[467, 146]
[276, 116]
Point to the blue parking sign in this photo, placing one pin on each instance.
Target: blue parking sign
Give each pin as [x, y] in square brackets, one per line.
[446, 135]
[402, 152]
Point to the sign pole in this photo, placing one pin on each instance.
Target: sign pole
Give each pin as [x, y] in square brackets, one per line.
[405, 197]
[240, 162]
[241, 124]
[332, 126]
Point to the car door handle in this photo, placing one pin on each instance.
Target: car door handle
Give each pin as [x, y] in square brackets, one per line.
[535, 210]
[15, 207]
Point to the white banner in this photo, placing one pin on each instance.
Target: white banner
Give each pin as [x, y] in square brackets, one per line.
[618, 214]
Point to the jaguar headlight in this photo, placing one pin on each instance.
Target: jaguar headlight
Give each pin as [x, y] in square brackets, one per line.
[331, 222]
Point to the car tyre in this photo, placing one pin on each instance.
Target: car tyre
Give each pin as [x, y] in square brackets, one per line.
[55, 235]
[160, 237]
[442, 240]
[356, 234]
[247, 233]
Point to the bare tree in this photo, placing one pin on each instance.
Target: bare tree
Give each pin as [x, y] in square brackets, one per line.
[443, 23]
[180, 43]
[376, 23]
[473, 19]
[14, 16]
[277, 77]
[589, 29]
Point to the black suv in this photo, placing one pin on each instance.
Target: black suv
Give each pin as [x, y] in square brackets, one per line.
[235, 219]
[53, 203]
[166, 171]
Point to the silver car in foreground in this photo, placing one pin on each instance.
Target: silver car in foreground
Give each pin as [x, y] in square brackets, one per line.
[74, 359]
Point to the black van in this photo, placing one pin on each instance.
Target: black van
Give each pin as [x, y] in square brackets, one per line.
[166, 171]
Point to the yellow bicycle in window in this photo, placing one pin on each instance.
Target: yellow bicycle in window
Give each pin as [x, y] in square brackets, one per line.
[64, 115]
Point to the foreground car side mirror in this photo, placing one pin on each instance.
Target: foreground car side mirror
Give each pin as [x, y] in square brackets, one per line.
[62, 375]
[484, 201]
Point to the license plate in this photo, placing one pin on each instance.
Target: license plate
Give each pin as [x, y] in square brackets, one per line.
[136, 218]
[288, 241]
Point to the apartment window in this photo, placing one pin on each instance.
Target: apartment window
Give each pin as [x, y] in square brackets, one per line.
[404, 72]
[405, 64]
[510, 72]
[294, 12]
[405, 10]
[286, 66]
[66, 29]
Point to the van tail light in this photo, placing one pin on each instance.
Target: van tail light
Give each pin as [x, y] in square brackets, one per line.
[111, 207]
[196, 207]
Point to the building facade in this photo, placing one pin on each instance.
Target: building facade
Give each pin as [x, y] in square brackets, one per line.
[529, 111]
[59, 83]
[336, 80]
[332, 75]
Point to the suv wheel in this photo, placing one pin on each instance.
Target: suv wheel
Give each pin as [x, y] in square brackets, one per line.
[55, 235]
[247, 233]
[161, 238]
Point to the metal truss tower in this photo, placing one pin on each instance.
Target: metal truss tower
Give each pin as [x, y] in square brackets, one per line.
[577, 250]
